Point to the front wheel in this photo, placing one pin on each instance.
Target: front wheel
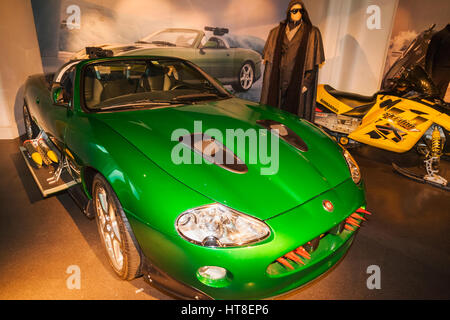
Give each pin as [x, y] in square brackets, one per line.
[245, 79]
[115, 232]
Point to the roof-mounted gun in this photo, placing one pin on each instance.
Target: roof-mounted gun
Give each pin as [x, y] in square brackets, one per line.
[98, 52]
[217, 31]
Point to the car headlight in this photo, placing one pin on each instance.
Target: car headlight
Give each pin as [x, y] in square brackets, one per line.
[352, 166]
[215, 225]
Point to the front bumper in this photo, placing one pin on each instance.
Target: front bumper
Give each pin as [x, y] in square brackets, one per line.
[250, 277]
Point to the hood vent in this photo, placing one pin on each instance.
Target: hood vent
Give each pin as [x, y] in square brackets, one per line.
[214, 151]
[284, 133]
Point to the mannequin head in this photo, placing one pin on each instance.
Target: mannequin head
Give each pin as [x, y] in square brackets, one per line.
[296, 12]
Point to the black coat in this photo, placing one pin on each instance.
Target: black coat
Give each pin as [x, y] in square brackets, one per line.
[313, 58]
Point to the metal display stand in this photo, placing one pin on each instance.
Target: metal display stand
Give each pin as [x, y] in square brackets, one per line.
[53, 178]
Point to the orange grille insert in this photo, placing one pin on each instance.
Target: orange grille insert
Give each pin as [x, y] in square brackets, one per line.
[300, 255]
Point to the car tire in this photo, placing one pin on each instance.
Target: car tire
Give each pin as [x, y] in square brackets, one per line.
[245, 78]
[115, 232]
[31, 129]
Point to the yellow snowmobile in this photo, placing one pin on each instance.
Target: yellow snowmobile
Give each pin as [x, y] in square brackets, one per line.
[408, 114]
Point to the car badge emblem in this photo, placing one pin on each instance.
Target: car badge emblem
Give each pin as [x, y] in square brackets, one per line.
[328, 206]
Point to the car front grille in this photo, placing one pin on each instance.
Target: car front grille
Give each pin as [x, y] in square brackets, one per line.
[316, 248]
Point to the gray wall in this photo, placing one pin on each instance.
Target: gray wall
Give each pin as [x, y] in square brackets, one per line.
[355, 54]
[19, 58]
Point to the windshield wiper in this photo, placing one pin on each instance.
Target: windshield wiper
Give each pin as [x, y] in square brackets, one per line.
[164, 43]
[137, 104]
[195, 96]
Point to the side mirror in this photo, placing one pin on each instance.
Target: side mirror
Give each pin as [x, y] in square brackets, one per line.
[58, 95]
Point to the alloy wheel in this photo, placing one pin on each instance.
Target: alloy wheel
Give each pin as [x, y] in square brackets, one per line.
[109, 227]
[246, 76]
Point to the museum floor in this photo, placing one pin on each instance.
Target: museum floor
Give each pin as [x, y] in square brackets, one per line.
[408, 237]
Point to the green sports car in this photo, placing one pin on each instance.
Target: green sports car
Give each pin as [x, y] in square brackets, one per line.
[216, 53]
[158, 153]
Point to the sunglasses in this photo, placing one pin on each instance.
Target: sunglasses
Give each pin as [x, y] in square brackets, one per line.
[295, 11]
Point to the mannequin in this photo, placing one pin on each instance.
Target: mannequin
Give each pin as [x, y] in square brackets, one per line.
[292, 55]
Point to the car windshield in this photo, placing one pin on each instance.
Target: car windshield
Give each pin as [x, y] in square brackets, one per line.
[178, 38]
[128, 84]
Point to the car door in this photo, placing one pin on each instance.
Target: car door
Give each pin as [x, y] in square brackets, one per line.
[59, 107]
[216, 59]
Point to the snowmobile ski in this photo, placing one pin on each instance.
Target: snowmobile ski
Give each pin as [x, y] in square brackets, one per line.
[419, 178]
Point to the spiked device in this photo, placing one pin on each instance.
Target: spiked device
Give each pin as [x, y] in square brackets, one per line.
[301, 255]
[355, 220]
[296, 256]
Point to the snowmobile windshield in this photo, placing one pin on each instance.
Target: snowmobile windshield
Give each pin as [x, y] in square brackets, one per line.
[413, 55]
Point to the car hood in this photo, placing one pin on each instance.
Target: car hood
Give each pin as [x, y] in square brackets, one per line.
[300, 176]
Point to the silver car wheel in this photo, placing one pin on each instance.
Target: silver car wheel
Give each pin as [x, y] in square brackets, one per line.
[109, 228]
[246, 76]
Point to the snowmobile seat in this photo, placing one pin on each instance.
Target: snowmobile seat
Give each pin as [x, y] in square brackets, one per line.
[349, 95]
[360, 104]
